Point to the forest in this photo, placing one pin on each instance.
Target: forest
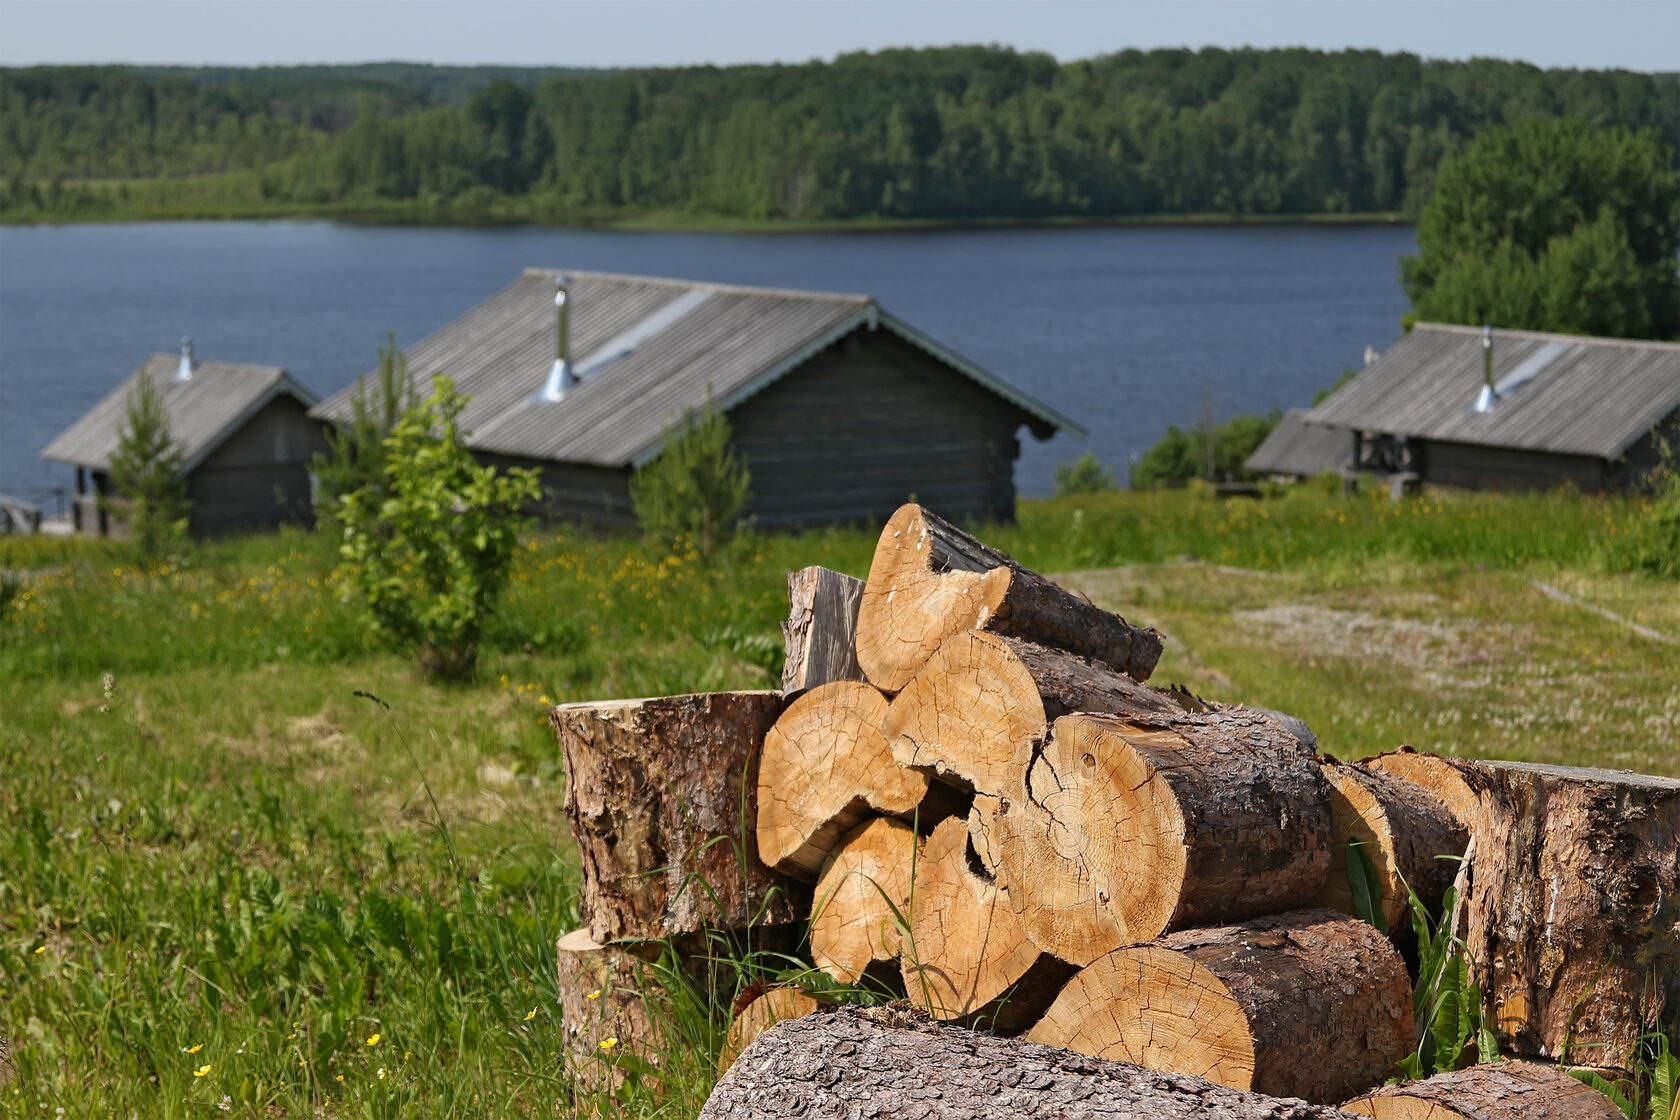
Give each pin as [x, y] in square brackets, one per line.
[958, 133]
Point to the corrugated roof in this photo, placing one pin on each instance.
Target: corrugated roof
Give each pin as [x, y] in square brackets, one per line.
[729, 346]
[203, 410]
[1299, 448]
[1596, 397]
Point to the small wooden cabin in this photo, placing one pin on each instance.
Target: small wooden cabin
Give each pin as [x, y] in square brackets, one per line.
[1296, 450]
[245, 437]
[1526, 411]
[840, 410]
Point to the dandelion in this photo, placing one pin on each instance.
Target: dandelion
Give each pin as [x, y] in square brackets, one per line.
[609, 1043]
[596, 994]
[192, 1049]
[373, 1039]
[531, 1014]
[202, 1071]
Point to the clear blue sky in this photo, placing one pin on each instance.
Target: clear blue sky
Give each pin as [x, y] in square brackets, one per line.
[1634, 34]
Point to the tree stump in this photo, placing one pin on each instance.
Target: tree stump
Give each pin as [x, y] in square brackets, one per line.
[930, 580]
[1403, 828]
[848, 1064]
[660, 794]
[1495, 1091]
[763, 1012]
[602, 1004]
[853, 925]
[821, 629]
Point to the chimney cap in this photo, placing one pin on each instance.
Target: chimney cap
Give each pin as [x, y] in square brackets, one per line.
[184, 371]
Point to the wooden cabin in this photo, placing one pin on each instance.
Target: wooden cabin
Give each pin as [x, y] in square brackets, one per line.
[244, 434]
[1511, 410]
[840, 410]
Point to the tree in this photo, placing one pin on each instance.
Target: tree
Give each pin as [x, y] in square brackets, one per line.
[1084, 475]
[696, 489]
[1183, 455]
[146, 471]
[355, 455]
[1549, 225]
[427, 552]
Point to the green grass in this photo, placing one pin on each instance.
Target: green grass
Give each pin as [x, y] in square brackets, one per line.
[226, 858]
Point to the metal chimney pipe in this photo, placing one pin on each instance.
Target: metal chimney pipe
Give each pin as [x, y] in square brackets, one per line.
[560, 377]
[1487, 398]
[184, 372]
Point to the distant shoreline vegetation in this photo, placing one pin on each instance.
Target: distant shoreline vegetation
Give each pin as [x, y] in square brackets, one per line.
[897, 139]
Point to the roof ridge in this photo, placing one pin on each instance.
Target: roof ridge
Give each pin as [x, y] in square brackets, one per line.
[166, 356]
[1582, 339]
[708, 285]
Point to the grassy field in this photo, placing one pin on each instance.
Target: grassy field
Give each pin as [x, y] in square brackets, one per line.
[231, 884]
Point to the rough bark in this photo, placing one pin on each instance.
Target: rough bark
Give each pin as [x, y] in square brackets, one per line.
[825, 769]
[930, 580]
[602, 989]
[853, 924]
[765, 1011]
[661, 796]
[1494, 1091]
[969, 959]
[821, 629]
[1309, 1004]
[852, 1064]
[1402, 827]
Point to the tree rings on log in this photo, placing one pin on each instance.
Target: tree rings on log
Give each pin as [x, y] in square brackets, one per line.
[1407, 833]
[968, 958]
[930, 580]
[1309, 1004]
[1507, 1090]
[766, 1010]
[821, 629]
[1434, 773]
[863, 898]
[825, 767]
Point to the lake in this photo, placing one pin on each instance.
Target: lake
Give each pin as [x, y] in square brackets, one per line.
[1126, 329]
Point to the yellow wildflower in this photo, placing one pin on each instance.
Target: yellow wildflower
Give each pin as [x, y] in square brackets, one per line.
[373, 1039]
[202, 1070]
[596, 994]
[381, 1073]
[608, 1044]
[40, 950]
[340, 1077]
[192, 1049]
[531, 1014]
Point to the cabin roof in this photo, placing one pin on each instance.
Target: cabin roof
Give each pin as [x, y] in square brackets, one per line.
[646, 349]
[1560, 393]
[203, 411]
[1299, 448]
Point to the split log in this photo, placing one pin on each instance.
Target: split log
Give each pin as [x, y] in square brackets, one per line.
[1493, 1091]
[968, 958]
[1309, 1004]
[1130, 829]
[661, 796]
[602, 1001]
[1402, 827]
[868, 876]
[821, 629]
[852, 1063]
[930, 580]
[764, 1011]
[825, 768]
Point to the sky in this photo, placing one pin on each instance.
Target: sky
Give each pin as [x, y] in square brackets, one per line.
[1631, 34]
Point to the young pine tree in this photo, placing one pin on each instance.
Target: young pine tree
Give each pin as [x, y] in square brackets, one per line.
[146, 472]
[696, 488]
[355, 455]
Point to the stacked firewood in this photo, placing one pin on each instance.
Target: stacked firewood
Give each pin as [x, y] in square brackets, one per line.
[968, 792]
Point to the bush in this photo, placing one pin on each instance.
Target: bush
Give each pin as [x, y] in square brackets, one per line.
[1085, 475]
[355, 456]
[426, 551]
[696, 489]
[1183, 455]
[146, 472]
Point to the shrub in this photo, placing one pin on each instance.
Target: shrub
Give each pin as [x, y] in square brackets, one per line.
[697, 487]
[355, 456]
[1184, 455]
[146, 472]
[1085, 475]
[426, 552]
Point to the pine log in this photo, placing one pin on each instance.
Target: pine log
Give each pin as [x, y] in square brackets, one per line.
[850, 1063]
[853, 924]
[1402, 827]
[930, 580]
[660, 794]
[1510, 1090]
[969, 959]
[821, 629]
[825, 769]
[1440, 776]
[763, 1012]
[1309, 1004]
[602, 1003]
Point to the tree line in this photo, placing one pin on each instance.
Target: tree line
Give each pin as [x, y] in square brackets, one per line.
[948, 133]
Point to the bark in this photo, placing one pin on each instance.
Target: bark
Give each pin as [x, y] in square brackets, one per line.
[930, 580]
[1440, 776]
[1402, 827]
[661, 796]
[1309, 1004]
[1495, 1091]
[602, 990]
[968, 958]
[862, 898]
[763, 1012]
[821, 629]
[855, 1064]
[826, 768]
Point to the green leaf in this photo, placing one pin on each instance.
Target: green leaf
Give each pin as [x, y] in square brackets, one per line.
[1365, 886]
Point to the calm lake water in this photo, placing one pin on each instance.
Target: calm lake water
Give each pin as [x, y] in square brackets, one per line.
[1125, 329]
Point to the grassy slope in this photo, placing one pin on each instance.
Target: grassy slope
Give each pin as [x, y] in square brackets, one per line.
[232, 851]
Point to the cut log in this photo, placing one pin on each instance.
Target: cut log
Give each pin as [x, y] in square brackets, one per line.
[981, 697]
[882, 1062]
[1404, 830]
[826, 766]
[1130, 829]
[602, 1002]
[853, 924]
[1309, 1004]
[661, 796]
[1493, 1091]
[763, 1012]
[821, 629]
[1438, 775]
[968, 958]
[930, 580]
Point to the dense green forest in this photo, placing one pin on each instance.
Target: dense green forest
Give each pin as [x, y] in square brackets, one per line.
[952, 133]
